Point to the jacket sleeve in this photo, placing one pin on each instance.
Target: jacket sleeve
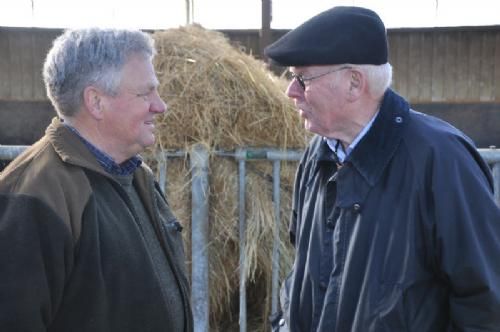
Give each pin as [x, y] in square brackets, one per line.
[282, 319]
[35, 257]
[467, 241]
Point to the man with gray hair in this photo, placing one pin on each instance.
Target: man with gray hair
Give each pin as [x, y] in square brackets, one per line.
[394, 222]
[88, 240]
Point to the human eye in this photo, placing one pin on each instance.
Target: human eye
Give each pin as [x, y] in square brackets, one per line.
[144, 95]
[299, 78]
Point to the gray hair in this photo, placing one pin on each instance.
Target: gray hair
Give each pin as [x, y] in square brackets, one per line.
[83, 57]
[379, 78]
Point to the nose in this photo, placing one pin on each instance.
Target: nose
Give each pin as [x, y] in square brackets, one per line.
[158, 105]
[294, 90]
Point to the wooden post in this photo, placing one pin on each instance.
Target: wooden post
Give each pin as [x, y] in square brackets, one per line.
[265, 32]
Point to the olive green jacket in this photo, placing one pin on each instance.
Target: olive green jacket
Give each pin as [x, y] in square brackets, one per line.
[72, 257]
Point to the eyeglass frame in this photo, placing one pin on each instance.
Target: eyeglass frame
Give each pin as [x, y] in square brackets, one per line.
[302, 80]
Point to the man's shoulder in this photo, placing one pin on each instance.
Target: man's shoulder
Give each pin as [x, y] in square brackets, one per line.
[29, 166]
[432, 128]
[37, 165]
[433, 141]
[426, 132]
[40, 173]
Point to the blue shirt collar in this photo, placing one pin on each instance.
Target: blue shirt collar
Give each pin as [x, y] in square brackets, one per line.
[106, 161]
[337, 147]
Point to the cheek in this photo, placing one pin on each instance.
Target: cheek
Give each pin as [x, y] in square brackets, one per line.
[130, 118]
[324, 100]
[317, 108]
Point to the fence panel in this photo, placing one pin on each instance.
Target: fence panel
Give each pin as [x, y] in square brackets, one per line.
[199, 223]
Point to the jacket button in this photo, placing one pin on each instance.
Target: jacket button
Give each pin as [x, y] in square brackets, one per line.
[281, 322]
[330, 223]
[356, 207]
[323, 285]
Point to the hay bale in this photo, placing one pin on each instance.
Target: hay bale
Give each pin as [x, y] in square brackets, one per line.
[221, 97]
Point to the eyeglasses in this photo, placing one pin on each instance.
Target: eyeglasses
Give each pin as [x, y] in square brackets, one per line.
[302, 80]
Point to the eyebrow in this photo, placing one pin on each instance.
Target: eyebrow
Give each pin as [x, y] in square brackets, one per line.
[150, 86]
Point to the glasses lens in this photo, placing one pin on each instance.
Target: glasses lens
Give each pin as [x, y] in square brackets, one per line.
[300, 80]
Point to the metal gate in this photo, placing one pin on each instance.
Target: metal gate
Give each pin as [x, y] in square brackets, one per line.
[199, 219]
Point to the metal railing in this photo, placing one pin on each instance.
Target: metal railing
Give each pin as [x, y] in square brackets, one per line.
[199, 160]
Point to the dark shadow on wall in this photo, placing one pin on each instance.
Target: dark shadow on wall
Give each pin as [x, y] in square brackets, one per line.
[24, 122]
[479, 121]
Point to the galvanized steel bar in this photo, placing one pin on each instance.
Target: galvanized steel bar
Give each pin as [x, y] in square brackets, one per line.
[496, 179]
[276, 242]
[491, 156]
[276, 156]
[242, 237]
[199, 238]
[162, 159]
[162, 171]
[264, 153]
[9, 152]
[285, 155]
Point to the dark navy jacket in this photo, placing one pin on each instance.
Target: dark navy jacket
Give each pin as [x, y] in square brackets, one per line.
[405, 236]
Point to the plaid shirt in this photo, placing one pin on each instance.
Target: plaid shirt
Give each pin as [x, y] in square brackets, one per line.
[105, 160]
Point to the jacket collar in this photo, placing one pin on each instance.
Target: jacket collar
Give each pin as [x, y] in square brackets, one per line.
[376, 148]
[126, 168]
[71, 149]
[323, 152]
[373, 153]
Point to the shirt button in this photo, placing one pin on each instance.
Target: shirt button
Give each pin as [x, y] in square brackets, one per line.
[330, 223]
[281, 322]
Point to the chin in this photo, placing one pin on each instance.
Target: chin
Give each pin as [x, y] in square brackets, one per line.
[148, 144]
[147, 138]
[308, 126]
[313, 130]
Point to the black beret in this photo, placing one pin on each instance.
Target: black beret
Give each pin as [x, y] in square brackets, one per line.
[336, 36]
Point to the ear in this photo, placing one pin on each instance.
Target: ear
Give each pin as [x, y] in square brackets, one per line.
[357, 84]
[93, 102]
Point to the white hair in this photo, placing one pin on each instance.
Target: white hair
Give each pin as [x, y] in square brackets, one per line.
[83, 57]
[378, 77]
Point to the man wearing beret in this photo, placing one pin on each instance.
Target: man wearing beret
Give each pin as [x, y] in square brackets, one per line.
[394, 222]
